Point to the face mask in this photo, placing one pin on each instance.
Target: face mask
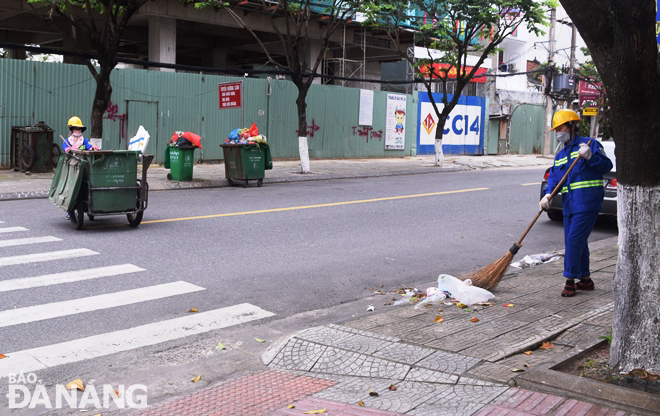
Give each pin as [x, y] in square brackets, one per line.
[563, 137]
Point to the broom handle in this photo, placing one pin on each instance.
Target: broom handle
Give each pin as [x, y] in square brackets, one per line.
[552, 195]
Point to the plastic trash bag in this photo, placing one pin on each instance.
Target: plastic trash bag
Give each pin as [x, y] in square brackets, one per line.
[405, 299]
[534, 259]
[466, 294]
[433, 295]
[139, 141]
[234, 135]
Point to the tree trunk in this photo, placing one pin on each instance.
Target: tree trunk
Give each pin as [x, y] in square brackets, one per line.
[621, 38]
[439, 133]
[303, 149]
[102, 97]
[636, 323]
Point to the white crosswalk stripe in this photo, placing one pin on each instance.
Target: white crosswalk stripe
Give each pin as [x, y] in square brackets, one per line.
[68, 277]
[12, 229]
[93, 303]
[31, 240]
[128, 339]
[52, 255]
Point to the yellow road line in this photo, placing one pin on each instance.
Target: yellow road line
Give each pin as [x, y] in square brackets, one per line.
[332, 204]
[530, 184]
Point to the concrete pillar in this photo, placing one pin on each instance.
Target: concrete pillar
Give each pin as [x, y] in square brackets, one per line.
[162, 41]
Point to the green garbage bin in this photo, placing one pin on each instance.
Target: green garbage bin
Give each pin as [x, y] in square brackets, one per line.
[181, 161]
[112, 180]
[245, 162]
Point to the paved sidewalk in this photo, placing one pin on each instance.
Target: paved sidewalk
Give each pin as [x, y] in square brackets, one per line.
[400, 361]
[18, 185]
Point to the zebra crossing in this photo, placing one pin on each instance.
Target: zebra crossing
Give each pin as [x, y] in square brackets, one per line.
[102, 344]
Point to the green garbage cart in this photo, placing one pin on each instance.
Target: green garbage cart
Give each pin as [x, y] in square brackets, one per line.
[179, 160]
[245, 162]
[101, 183]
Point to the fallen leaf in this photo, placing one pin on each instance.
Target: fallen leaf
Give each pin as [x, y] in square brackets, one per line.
[546, 345]
[361, 404]
[474, 320]
[196, 379]
[528, 352]
[392, 387]
[517, 370]
[314, 412]
[76, 384]
[2, 356]
[508, 305]
[221, 346]
[193, 310]
[371, 288]
[117, 394]
[485, 303]
[291, 406]
[461, 305]
[439, 319]
[527, 365]
[259, 340]
[373, 393]
[381, 285]
[428, 305]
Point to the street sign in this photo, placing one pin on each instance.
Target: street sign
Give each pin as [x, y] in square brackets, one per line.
[230, 94]
[589, 111]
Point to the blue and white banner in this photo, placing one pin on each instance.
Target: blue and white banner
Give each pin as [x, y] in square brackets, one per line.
[463, 131]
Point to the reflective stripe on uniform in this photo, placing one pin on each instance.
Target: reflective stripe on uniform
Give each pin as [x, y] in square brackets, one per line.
[561, 161]
[586, 184]
[574, 155]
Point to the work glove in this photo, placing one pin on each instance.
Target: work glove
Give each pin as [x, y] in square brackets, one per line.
[544, 203]
[585, 151]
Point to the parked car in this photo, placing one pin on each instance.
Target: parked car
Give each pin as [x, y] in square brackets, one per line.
[609, 182]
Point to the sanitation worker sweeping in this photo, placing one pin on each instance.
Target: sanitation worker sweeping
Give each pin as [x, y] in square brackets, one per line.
[582, 190]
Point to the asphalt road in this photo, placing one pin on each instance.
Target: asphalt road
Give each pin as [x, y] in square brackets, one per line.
[286, 248]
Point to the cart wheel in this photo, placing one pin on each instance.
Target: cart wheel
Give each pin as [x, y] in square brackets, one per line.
[27, 157]
[135, 219]
[91, 217]
[260, 182]
[56, 154]
[231, 183]
[77, 214]
[169, 176]
[245, 184]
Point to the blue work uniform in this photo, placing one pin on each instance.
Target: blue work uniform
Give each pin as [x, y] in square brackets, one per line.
[86, 144]
[582, 198]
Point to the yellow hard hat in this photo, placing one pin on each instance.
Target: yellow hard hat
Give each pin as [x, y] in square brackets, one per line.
[76, 122]
[564, 116]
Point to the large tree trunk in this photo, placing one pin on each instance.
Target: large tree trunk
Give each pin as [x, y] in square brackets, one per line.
[102, 97]
[303, 149]
[621, 38]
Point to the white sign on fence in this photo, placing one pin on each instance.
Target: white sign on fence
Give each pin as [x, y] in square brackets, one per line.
[395, 122]
[463, 125]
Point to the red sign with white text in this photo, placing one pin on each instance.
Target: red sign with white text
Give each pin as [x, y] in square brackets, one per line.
[438, 72]
[589, 91]
[230, 94]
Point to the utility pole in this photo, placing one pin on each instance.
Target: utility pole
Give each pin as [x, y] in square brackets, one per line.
[573, 46]
[548, 103]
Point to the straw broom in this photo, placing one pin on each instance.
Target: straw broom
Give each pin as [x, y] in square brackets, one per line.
[488, 277]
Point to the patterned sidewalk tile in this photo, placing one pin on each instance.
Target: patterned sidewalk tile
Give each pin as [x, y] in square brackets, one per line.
[407, 396]
[336, 361]
[298, 355]
[430, 376]
[537, 357]
[362, 344]
[354, 389]
[448, 362]
[371, 321]
[331, 408]
[580, 335]
[257, 394]
[459, 400]
[325, 335]
[492, 371]
[404, 353]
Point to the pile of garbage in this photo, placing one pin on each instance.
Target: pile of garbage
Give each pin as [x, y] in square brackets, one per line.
[246, 136]
[186, 139]
[450, 290]
[534, 259]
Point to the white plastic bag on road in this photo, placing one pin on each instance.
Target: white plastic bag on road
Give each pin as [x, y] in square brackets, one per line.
[140, 140]
[534, 259]
[465, 294]
[405, 299]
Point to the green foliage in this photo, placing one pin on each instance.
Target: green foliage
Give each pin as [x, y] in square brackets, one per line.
[608, 338]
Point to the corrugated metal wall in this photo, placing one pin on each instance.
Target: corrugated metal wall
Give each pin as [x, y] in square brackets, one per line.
[527, 127]
[165, 102]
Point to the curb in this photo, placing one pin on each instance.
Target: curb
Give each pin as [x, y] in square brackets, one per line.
[222, 183]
